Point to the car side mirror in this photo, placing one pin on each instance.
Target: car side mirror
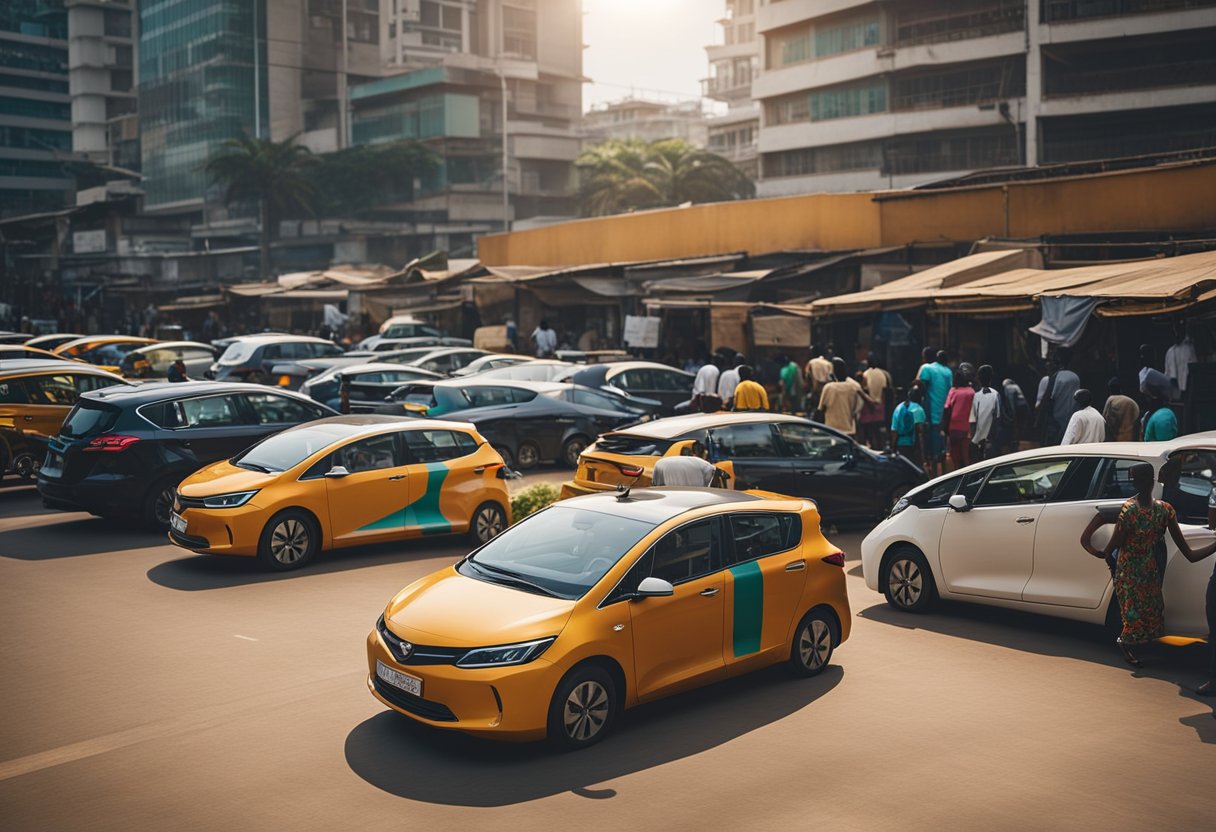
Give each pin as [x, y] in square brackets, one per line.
[959, 503]
[654, 588]
[337, 472]
[505, 473]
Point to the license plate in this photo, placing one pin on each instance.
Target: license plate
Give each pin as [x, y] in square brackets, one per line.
[399, 680]
[177, 522]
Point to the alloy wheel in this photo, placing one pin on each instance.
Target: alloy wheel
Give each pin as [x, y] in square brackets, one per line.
[527, 455]
[815, 644]
[489, 523]
[906, 582]
[574, 448]
[289, 541]
[586, 710]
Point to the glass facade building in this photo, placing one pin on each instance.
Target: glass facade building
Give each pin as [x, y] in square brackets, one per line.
[199, 62]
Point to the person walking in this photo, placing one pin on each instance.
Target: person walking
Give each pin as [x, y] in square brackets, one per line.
[791, 385]
[937, 378]
[985, 415]
[545, 340]
[1143, 521]
[956, 419]
[908, 423]
[1086, 424]
[818, 373]
[750, 395]
[1054, 403]
[872, 419]
[705, 398]
[878, 387]
[728, 380]
[1160, 423]
[1121, 414]
[841, 401]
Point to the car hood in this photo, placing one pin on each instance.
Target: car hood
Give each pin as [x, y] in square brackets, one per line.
[223, 478]
[446, 609]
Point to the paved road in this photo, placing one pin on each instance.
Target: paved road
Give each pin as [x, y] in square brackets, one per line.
[146, 689]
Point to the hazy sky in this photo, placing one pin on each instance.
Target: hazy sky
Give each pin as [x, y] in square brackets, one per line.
[654, 47]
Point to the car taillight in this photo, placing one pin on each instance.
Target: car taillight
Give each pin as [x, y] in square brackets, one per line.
[836, 559]
[111, 442]
[631, 470]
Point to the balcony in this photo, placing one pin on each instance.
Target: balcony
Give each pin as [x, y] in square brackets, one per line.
[918, 27]
[725, 89]
[1064, 11]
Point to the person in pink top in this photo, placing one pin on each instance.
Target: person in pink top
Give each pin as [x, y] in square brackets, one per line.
[956, 420]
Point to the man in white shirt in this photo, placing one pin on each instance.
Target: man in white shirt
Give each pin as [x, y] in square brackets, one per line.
[1178, 361]
[1086, 424]
[985, 410]
[545, 340]
[728, 381]
[705, 397]
[690, 468]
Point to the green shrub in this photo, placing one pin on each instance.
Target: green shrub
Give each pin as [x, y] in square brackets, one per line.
[533, 499]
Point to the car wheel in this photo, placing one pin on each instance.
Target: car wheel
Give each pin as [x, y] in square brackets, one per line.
[26, 466]
[583, 709]
[508, 458]
[487, 523]
[907, 581]
[158, 503]
[571, 449]
[814, 641]
[527, 456]
[290, 540]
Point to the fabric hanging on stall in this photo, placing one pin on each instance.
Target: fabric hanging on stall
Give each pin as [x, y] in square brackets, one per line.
[728, 327]
[781, 331]
[1064, 318]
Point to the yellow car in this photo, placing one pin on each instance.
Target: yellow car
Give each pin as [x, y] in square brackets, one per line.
[103, 350]
[343, 481]
[36, 395]
[606, 601]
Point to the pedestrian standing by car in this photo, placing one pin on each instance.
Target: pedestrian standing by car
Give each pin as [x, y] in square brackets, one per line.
[985, 415]
[177, 370]
[1160, 423]
[872, 419]
[818, 373]
[791, 385]
[1086, 424]
[1142, 522]
[1121, 414]
[937, 378]
[908, 424]
[1054, 402]
[545, 340]
[705, 398]
[689, 468]
[841, 401]
[728, 380]
[750, 394]
[956, 418]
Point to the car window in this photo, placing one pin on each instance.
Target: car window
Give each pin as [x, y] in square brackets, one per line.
[1190, 494]
[12, 391]
[325, 350]
[56, 390]
[489, 396]
[272, 352]
[806, 442]
[634, 380]
[688, 552]
[761, 535]
[936, 496]
[589, 398]
[209, 412]
[274, 410]
[372, 454]
[670, 380]
[86, 381]
[463, 359]
[745, 441]
[970, 486]
[436, 445]
[1019, 483]
[1078, 483]
[438, 364]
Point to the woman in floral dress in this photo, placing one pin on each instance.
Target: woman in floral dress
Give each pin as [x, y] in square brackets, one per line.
[1142, 522]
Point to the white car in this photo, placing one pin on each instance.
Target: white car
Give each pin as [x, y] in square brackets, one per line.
[1007, 532]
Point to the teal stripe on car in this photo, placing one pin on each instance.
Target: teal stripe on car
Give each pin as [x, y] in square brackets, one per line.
[423, 512]
[748, 607]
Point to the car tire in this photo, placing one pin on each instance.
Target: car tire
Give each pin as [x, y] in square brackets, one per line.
[527, 456]
[289, 541]
[158, 502]
[583, 709]
[508, 458]
[571, 449]
[25, 466]
[907, 581]
[814, 641]
[487, 523]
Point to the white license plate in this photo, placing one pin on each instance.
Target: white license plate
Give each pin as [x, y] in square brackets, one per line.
[177, 522]
[402, 681]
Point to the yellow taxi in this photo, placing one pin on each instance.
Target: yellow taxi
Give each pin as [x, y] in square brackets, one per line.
[602, 602]
[103, 350]
[343, 481]
[36, 395]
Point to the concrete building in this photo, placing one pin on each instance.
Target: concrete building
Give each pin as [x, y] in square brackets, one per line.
[864, 95]
[649, 121]
[35, 108]
[734, 64]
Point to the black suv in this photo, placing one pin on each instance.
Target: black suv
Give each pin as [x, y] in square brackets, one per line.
[122, 451]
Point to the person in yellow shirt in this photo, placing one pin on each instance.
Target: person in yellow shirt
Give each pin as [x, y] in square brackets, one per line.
[750, 394]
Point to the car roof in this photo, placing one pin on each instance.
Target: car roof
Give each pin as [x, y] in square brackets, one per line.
[384, 367]
[105, 339]
[657, 505]
[18, 366]
[368, 424]
[174, 345]
[474, 381]
[155, 391]
[674, 426]
[619, 366]
[270, 337]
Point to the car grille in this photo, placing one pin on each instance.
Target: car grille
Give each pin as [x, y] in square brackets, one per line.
[416, 705]
[420, 654]
[184, 502]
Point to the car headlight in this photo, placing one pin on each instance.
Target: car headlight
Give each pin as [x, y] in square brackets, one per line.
[507, 654]
[238, 498]
[901, 504]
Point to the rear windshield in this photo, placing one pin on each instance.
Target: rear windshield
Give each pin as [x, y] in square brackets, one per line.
[632, 445]
[238, 352]
[423, 397]
[89, 419]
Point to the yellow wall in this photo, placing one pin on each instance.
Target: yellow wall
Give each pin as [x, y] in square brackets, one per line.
[1179, 197]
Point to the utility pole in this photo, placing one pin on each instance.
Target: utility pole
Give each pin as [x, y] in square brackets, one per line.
[502, 75]
[343, 103]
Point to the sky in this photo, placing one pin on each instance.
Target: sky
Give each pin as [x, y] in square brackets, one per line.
[647, 48]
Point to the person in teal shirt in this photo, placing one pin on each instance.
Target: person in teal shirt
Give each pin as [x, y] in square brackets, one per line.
[1162, 424]
[938, 378]
[908, 425]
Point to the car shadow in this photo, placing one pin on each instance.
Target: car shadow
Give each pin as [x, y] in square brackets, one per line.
[75, 537]
[417, 762]
[203, 572]
[1185, 666]
[20, 499]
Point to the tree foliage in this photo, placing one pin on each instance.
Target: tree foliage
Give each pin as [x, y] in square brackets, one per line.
[273, 174]
[621, 175]
[354, 181]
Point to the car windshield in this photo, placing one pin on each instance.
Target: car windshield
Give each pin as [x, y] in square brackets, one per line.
[288, 449]
[562, 551]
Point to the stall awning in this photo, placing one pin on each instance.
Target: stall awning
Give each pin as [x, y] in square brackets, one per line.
[185, 304]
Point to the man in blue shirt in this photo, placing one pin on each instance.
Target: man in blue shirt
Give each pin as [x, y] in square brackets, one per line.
[908, 425]
[937, 379]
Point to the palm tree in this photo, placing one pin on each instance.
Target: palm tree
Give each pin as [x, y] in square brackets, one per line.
[628, 174]
[268, 172]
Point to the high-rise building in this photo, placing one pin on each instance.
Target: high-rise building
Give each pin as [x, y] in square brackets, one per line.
[35, 107]
[101, 77]
[858, 95]
[734, 64]
[638, 118]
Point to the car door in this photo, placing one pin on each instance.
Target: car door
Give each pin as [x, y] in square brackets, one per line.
[829, 469]
[677, 640]
[1064, 573]
[988, 549]
[369, 502]
[754, 451]
[432, 479]
[211, 428]
[51, 397]
[766, 574]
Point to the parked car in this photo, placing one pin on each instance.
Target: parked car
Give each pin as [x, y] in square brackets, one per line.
[15, 338]
[407, 330]
[554, 426]
[709, 583]
[105, 351]
[55, 339]
[254, 357]
[441, 398]
[154, 360]
[122, 452]
[342, 482]
[1006, 532]
[21, 452]
[766, 451]
[36, 396]
[224, 343]
[369, 384]
[538, 369]
[642, 379]
[493, 361]
[11, 352]
[445, 360]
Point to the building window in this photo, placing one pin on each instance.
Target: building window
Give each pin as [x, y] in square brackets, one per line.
[917, 23]
[788, 109]
[845, 37]
[519, 32]
[961, 87]
[820, 160]
[117, 23]
[32, 108]
[844, 102]
[789, 47]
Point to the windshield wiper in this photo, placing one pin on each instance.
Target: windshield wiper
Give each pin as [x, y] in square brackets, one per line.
[253, 466]
[513, 577]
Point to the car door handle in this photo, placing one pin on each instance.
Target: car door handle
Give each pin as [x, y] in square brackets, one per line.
[807, 473]
[711, 592]
[397, 477]
[795, 566]
[1025, 519]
